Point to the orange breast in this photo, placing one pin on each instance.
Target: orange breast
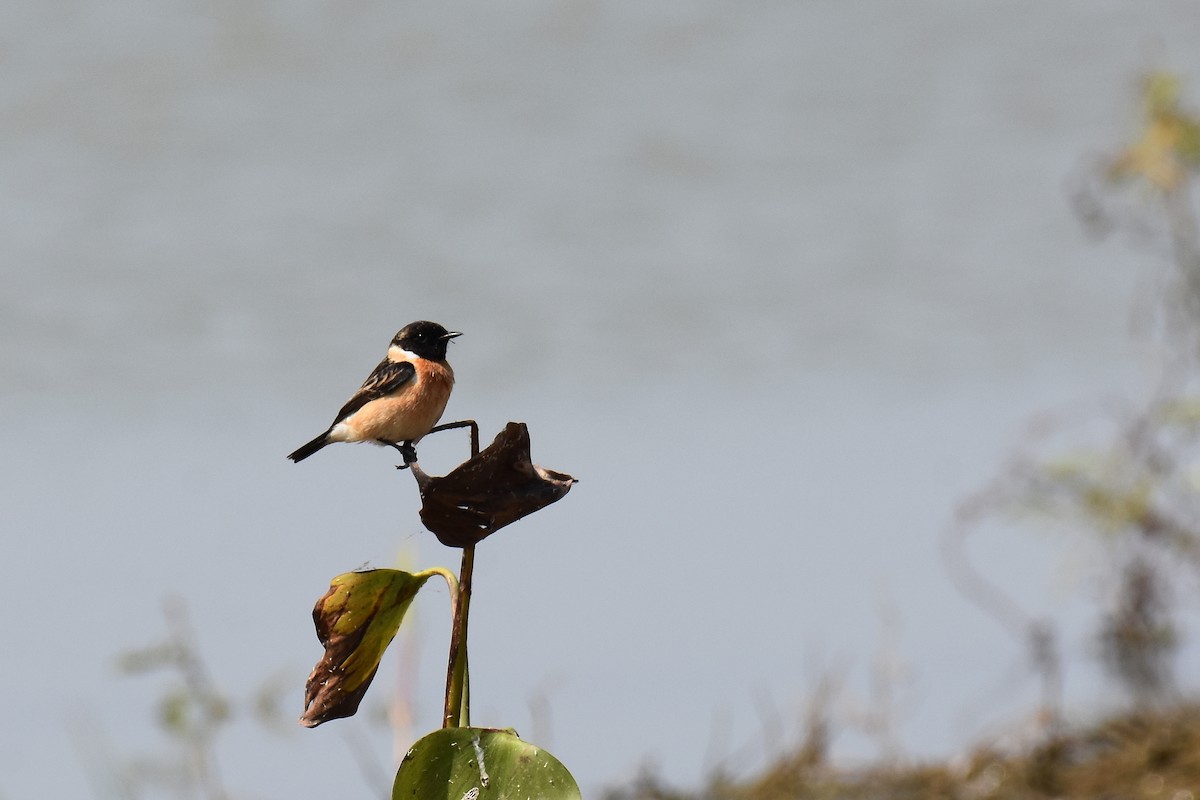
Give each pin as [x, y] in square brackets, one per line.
[410, 413]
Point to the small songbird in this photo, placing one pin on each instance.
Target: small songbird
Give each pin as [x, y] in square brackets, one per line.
[402, 399]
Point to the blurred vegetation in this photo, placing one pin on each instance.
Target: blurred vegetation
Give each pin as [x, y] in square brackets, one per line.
[192, 712]
[195, 715]
[1121, 484]
[1133, 755]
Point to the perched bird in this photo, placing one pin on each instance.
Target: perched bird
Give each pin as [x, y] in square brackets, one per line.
[402, 399]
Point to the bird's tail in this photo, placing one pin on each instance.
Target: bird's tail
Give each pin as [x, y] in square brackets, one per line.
[307, 450]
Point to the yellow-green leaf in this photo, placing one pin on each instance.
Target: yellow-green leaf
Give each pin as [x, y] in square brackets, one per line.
[356, 620]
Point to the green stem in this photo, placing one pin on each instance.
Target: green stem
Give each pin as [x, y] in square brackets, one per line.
[451, 582]
[457, 710]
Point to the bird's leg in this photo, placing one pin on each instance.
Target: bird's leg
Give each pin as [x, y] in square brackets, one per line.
[407, 451]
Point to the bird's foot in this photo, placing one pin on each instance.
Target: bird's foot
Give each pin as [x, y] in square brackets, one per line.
[407, 452]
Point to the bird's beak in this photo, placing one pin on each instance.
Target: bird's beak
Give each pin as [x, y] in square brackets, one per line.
[451, 334]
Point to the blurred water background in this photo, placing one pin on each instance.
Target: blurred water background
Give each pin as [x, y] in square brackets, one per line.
[779, 281]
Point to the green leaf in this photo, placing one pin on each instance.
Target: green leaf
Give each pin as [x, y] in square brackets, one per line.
[356, 620]
[481, 764]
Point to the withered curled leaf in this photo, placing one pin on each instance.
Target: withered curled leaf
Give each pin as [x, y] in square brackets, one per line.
[356, 620]
[493, 489]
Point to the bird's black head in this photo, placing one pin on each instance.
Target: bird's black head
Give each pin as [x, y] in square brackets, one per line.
[426, 339]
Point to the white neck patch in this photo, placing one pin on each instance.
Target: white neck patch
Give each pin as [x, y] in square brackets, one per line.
[398, 353]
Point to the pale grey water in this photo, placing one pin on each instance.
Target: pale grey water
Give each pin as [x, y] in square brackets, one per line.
[779, 281]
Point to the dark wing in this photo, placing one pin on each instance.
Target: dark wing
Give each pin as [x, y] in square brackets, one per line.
[387, 378]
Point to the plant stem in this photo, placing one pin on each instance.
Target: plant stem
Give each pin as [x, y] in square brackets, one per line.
[463, 423]
[457, 710]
